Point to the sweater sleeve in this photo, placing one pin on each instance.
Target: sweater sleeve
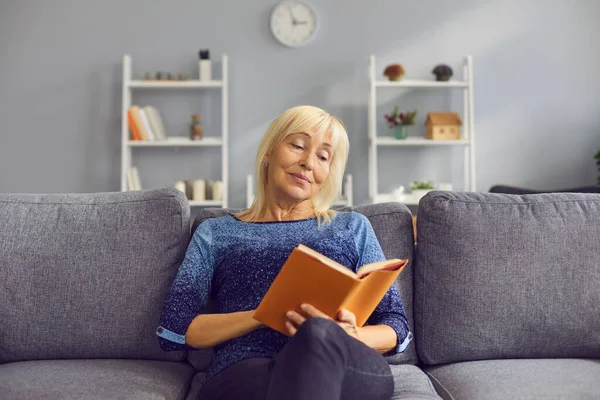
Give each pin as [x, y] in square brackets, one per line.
[390, 310]
[189, 292]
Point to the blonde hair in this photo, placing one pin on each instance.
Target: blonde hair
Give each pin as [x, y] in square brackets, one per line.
[294, 120]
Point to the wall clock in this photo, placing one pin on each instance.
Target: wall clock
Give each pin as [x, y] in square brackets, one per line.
[294, 23]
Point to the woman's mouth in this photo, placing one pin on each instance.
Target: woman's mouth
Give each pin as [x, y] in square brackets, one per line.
[300, 178]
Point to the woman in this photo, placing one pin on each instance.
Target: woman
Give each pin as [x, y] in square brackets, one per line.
[299, 168]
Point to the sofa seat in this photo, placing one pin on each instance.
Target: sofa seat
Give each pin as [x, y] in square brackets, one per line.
[518, 379]
[95, 379]
[412, 383]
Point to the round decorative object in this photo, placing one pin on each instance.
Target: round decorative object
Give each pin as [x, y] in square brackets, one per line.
[442, 72]
[294, 23]
[394, 72]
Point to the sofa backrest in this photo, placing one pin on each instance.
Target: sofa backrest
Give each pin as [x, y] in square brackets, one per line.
[507, 276]
[86, 275]
[392, 224]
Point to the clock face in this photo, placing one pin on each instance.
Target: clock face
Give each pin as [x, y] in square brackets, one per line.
[294, 23]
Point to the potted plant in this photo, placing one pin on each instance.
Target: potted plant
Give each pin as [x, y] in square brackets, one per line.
[400, 122]
[420, 188]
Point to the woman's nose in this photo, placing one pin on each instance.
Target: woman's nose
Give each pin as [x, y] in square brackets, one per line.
[307, 162]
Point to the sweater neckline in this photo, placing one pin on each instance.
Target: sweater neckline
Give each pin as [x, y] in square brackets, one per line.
[291, 221]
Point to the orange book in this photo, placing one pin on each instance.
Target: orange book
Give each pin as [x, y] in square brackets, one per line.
[310, 277]
[135, 135]
[139, 123]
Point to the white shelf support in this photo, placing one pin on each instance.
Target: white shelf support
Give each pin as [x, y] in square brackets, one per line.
[349, 190]
[249, 190]
[471, 122]
[125, 104]
[466, 128]
[225, 128]
[372, 131]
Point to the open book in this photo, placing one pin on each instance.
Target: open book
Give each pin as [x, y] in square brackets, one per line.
[310, 277]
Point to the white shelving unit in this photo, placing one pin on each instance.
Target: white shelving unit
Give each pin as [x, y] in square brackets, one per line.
[127, 145]
[376, 142]
[346, 200]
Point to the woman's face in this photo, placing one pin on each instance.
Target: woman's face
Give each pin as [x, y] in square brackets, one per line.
[299, 165]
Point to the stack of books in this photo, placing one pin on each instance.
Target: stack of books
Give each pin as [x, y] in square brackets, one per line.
[145, 123]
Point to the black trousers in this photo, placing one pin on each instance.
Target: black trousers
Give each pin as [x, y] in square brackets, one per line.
[320, 362]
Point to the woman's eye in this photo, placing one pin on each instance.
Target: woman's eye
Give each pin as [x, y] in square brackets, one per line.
[324, 158]
[297, 146]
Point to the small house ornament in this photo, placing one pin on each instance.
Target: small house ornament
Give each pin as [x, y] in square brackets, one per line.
[443, 126]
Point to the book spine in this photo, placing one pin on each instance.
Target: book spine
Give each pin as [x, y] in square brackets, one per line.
[135, 135]
[146, 123]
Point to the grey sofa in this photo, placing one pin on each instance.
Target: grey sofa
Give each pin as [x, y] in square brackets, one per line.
[502, 293]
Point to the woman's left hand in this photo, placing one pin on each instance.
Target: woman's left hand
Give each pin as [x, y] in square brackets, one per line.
[345, 319]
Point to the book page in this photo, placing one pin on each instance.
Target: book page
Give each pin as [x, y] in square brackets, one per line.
[326, 260]
[387, 265]
[366, 296]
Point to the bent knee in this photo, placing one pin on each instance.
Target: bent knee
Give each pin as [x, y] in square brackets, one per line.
[319, 330]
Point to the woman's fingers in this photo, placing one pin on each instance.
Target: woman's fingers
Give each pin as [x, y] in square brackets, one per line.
[347, 317]
[313, 312]
[296, 318]
[291, 328]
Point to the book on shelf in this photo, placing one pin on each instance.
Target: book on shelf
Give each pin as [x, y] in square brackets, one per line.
[133, 179]
[145, 123]
[156, 122]
[310, 277]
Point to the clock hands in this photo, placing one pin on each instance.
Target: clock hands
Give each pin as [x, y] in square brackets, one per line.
[294, 20]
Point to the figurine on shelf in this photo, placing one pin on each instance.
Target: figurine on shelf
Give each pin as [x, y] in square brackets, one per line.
[196, 128]
[442, 72]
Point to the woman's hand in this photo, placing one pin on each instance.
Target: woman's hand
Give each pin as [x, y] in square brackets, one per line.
[345, 319]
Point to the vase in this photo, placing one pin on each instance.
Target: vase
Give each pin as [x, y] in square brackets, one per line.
[419, 193]
[401, 132]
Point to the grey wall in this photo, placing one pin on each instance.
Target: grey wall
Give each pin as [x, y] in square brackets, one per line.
[537, 86]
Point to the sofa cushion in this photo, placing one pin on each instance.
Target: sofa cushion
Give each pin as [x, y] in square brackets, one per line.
[392, 224]
[85, 275]
[518, 379]
[410, 382]
[507, 276]
[95, 379]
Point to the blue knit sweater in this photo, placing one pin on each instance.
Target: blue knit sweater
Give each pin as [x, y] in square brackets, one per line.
[235, 262]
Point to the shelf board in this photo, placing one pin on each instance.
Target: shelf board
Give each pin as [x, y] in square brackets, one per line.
[205, 203]
[418, 141]
[340, 203]
[407, 199]
[189, 84]
[415, 83]
[177, 142]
